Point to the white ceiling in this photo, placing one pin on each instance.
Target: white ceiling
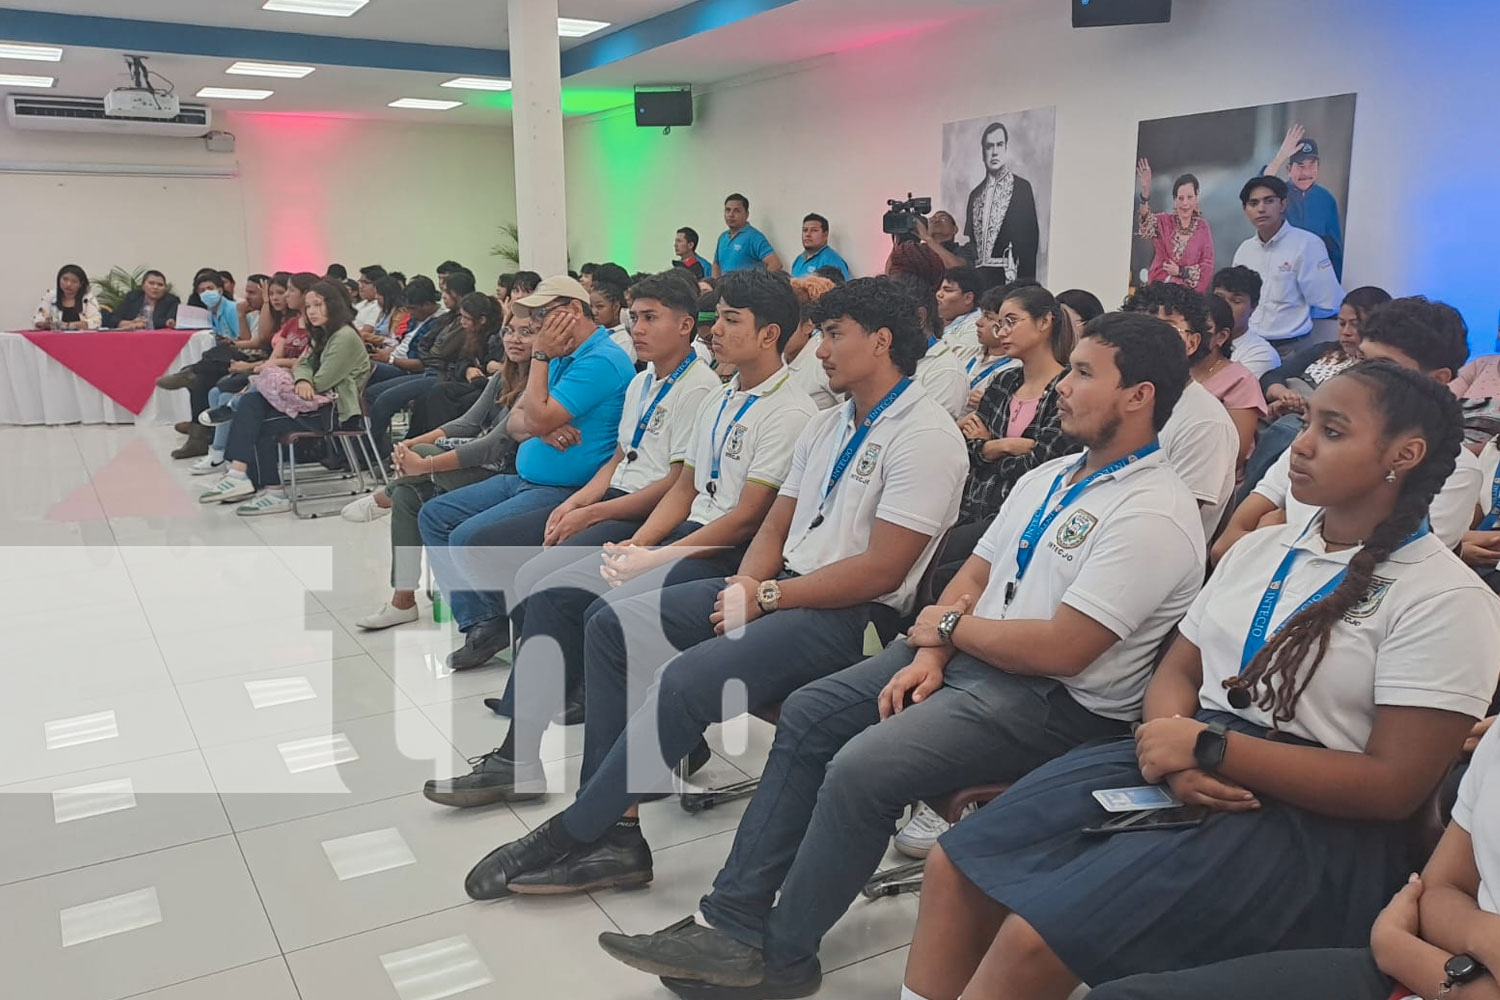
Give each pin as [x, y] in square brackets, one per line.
[788, 34]
[471, 23]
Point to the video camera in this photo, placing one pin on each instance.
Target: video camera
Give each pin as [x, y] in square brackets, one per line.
[901, 220]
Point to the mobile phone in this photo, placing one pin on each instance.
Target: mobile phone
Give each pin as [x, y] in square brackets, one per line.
[1136, 799]
[1179, 818]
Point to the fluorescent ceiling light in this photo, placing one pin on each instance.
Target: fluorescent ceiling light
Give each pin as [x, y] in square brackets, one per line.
[25, 80]
[232, 94]
[281, 70]
[478, 83]
[35, 53]
[422, 104]
[327, 8]
[577, 27]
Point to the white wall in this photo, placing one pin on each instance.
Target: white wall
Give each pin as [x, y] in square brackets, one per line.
[845, 132]
[311, 190]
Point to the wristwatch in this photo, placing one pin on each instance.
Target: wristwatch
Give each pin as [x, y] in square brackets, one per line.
[768, 596]
[946, 625]
[1208, 751]
[540, 356]
[1460, 969]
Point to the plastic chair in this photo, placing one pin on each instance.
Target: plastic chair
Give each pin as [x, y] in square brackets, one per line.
[355, 443]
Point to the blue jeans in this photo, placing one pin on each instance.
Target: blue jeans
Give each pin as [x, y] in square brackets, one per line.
[1274, 440]
[218, 397]
[451, 522]
[383, 371]
[388, 398]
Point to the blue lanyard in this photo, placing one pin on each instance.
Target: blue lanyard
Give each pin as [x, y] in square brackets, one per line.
[969, 368]
[841, 464]
[931, 342]
[1046, 513]
[1493, 517]
[645, 420]
[1261, 631]
[719, 446]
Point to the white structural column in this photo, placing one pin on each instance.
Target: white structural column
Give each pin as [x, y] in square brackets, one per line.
[536, 75]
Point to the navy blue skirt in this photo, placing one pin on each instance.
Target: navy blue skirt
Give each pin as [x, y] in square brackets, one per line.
[1161, 900]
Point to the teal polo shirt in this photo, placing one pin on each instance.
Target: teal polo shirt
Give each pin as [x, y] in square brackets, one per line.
[826, 257]
[744, 251]
[590, 384]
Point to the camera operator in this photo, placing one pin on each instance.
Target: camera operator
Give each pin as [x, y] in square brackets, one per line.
[940, 234]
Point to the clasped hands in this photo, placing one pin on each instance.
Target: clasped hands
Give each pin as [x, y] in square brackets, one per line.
[1164, 750]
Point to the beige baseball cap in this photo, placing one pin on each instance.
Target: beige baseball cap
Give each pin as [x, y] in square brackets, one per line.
[557, 287]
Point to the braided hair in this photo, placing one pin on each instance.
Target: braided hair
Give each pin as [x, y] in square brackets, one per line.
[1410, 402]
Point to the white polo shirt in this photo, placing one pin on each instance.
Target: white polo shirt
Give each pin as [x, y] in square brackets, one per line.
[623, 340]
[941, 373]
[1452, 510]
[366, 313]
[1202, 444]
[1425, 637]
[754, 446]
[670, 428]
[1489, 468]
[963, 335]
[1297, 280]
[1126, 553]
[1478, 812]
[1255, 353]
[809, 376]
[909, 471]
[981, 371]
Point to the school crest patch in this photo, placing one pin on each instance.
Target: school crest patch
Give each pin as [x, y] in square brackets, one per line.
[736, 441]
[1370, 603]
[657, 419]
[868, 460]
[1075, 529]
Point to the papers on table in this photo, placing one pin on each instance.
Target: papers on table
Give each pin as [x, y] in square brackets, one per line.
[193, 318]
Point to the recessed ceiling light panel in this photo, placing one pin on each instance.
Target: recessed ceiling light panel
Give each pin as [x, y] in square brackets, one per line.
[283, 71]
[34, 53]
[577, 27]
[234, 94]
[25, 80]
[326, 8]
[478, 83]
[423, 104]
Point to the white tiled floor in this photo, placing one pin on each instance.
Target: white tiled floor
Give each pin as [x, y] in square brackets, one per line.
[189, 670]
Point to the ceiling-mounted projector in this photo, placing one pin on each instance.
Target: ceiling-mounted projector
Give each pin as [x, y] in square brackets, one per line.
[142, 100]
[127, 102]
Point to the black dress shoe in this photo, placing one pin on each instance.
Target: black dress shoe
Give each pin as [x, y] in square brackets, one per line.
[688, 950]
[573, 712]
[791, 983]
[618, 860]
[494, 779]
[482, 643]
[697, 760]
[487, 880]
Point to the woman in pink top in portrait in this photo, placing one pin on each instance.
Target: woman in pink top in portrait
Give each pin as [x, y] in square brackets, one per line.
[1232, 383]
[1183, 241]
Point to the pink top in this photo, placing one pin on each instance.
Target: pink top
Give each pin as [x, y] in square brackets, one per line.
[1192, 251]
[1237, 388]
[1022, 412]
[1479, 379]
[293, 338]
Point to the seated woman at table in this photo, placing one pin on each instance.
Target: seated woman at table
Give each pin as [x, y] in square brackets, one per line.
[71, 305]
[150, 307]
[335, 363]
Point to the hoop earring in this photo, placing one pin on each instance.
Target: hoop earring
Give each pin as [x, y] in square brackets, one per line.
[1390, 476]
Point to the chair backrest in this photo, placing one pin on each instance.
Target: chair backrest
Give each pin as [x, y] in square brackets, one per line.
[895, 625]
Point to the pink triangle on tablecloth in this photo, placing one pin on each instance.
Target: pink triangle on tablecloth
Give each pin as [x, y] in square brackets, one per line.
[134, 484]
[122, 364]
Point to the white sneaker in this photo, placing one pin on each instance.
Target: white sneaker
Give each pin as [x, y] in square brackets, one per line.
[207, 465]
[227, 490]
[362, 510]
[387, 617]
[920, 834]
[266, 503]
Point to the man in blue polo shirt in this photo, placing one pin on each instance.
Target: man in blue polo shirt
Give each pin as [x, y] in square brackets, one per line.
[816, 252]
[1309, 205]
[742, 247]
[568, 416]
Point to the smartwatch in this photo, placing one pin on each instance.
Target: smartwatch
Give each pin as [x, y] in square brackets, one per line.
[946, 625]
[1460, 969]
[1208, 751]
[768, 596]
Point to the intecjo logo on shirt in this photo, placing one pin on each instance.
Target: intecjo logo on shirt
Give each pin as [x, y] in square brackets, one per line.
[1075, 529]
[736, 442]
[867, 461]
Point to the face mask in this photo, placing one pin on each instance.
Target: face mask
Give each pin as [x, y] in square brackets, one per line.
[211, 299]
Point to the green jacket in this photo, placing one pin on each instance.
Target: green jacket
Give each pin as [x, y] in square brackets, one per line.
[342, 366]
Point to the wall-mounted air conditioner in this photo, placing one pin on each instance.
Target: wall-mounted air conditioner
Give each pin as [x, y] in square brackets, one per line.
[86, 114]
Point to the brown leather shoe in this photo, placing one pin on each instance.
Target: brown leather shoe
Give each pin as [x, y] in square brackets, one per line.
[184, 426]
[177, 380]
[199, 438]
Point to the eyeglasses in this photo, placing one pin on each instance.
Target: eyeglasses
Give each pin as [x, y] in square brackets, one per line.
[1005, 324]
[541, 313]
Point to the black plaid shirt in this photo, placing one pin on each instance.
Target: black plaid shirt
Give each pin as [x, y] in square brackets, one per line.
[991, 482]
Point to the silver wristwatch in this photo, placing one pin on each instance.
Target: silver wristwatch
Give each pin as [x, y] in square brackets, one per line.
[946, 625]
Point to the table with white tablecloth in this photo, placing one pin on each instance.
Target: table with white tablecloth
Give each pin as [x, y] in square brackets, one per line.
[38, 388]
